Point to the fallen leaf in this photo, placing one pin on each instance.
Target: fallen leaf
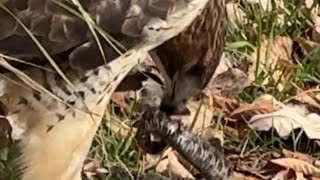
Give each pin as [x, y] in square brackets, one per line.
[261, 169]
[300, 176]
[317, 94]
[307, 45]
[172, 167]
[298, 166]
[308, 98]
[311, 40]
[119, 99]
[309, 3]
[229, 83]
[262, 105]
[276, 62]
[316, 27]
[162, 166]
[285, 175]
[177, 168]
[200, 117]
[226, 62]
[297, 155]
[93, 167]
[288, 118]
[223, 103]
[240, 176]
[235, 14]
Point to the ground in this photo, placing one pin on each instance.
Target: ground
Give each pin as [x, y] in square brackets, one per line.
[267, 106]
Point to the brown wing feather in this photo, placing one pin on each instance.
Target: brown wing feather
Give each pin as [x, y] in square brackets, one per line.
[189, 59]
[62, 30]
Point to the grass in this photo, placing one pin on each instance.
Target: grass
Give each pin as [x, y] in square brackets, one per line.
[305, 74]
[114, 150]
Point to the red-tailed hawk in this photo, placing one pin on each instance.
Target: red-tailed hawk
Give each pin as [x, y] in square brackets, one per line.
[184, 37]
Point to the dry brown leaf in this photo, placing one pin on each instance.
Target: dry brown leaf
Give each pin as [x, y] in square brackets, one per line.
[119, 99]
[246, 111]
[203, 117]
[317, 94]
[172, 167]
[160, 160]
[229, 83]
[226, 62]
[315, 18]
[300, 176]
[225, 70]
[223, 103]
[304, 97]
[309, 3]
[162, 166]
[235, 14]
[92, 167]
[286, 175]
[262, 105]
[240, 176]
[278, 61]
[288, 118]
[307, 45]
[298, 166]
[316, 28]
[280, 175]
[262, 169]
[316, 33]
[177, 168]
[297, 155]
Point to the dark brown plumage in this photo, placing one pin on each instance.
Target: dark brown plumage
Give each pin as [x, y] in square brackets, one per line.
[65, 36]
[189, 59]
[59, 30]
[192, 57]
